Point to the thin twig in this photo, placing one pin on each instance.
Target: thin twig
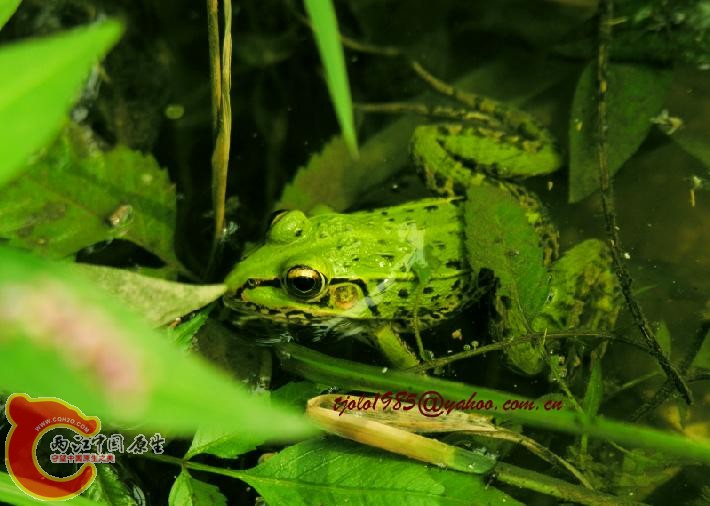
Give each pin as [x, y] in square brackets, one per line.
[607, 197]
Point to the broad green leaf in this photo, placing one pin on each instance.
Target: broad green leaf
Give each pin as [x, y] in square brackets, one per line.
[157, 300]
[635, 96]
[187, 491]
[40, 78]
[499, 237]
[325, 30]
[335, 471]
[11, 494]
[108, 488]
[7, 9]
[111, 364]
[76, 195]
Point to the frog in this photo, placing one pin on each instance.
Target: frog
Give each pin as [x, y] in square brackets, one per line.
[377, 274]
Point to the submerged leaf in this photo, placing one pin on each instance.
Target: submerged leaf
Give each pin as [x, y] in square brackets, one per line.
[635, 96]
[76, 195]
[40, 79]
[334, 471]
[111, 364]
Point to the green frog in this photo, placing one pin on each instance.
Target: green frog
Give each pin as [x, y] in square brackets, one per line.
[377, 274]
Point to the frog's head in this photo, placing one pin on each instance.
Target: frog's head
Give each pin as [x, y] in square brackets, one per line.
[296, 275]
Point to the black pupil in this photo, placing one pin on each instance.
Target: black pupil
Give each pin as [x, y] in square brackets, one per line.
[304, 283]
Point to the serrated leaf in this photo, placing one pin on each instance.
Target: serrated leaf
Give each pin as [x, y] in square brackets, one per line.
[635, 96]
[334, 471]
[187, 491]
[77, 195]
[108, 488]
[157, 300]
[325, 30]
[111, 364]
[499, 237]
[7, 9]
[40, 78]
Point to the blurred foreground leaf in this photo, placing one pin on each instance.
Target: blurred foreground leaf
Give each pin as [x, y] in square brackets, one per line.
[7, 9]
[39, 80]
[53, 324]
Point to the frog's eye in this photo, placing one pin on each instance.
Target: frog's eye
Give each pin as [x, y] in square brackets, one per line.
[303, 282]
[276, 216]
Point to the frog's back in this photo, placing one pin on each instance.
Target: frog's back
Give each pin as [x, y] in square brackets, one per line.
[408, 252]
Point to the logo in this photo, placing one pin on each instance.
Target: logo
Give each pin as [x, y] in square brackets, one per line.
[31, 419]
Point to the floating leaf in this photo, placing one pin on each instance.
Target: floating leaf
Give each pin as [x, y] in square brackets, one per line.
[7, 9]
[77, 195]
[325, 29]
[157, 300]
[188, 491]
[40, 80]
[333, 471]
[635, 96]
[111, 364]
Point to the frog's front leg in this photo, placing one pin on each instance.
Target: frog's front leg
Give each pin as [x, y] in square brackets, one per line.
[395, 350]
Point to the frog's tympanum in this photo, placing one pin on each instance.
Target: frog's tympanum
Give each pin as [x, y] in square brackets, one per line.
[378, 273]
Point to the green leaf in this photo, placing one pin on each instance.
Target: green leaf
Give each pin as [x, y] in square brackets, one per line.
[226, 444]
[663, 336]
[40, 79]
[635, 96]
[325, 29]
[188, 491]
[334, 471]
[7, 9]
[499, 237]
[157, 300]
[77, 195]
[108, 488]
[54, 324]
[183, 334]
